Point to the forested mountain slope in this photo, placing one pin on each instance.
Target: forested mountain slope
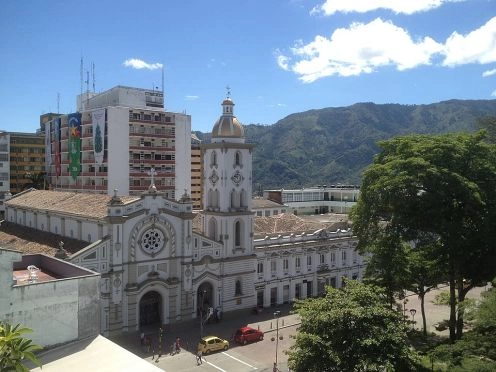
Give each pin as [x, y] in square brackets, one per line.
[334, 145]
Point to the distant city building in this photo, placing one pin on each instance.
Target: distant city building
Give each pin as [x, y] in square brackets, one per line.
[196, 172]
[316, 200]
[161, 263]
[120, 139]
[22, 159]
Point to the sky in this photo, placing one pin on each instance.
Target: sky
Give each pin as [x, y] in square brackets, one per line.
[277, 57]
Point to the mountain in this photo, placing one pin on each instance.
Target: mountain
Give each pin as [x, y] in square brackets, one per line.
[332, 145]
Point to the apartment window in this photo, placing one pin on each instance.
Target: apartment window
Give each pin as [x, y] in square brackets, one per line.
[322, 259]
[285, 264]
[309, 260]
[343, 257]
[333, 258]
[297, 263]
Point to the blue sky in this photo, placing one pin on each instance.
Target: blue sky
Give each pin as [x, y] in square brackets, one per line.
[277, 56]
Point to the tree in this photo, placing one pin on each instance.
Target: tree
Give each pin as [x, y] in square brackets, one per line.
[423, 271]
[98, 139]
[443, 187]
[36, 180]
[478, 346]
[351, 329]
[15, 349]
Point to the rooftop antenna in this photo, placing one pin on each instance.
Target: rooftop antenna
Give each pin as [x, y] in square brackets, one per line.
[58, 103]
[87, 87]
[81, 76]
[93, 73]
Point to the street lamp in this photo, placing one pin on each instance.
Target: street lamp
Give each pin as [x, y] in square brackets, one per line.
[202, 295]
[413, 312]
[276, 315]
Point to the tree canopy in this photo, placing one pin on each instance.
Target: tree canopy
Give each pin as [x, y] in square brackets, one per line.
[351, 329]
[441, 191]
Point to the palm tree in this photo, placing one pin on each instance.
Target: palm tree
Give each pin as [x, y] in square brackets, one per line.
[15, 349]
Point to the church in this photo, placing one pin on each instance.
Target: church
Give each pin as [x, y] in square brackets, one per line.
[161, 262]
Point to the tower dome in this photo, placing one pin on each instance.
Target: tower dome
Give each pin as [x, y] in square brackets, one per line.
[228, 126]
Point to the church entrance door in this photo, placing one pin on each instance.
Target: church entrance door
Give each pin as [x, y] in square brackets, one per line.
[151, 309]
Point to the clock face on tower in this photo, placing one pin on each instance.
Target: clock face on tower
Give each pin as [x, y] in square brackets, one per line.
[237, 178]
[152, 241]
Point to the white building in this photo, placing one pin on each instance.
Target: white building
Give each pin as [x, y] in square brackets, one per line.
[316, 200]
[160, 263]
[57, 300]
[124, 135]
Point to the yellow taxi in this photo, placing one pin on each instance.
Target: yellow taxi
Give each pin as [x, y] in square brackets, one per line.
[212, 343]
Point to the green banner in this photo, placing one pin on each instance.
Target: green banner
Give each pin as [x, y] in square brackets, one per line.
[74, 125]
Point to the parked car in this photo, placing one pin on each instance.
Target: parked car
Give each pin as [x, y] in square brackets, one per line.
[248, 334]
[212, 343]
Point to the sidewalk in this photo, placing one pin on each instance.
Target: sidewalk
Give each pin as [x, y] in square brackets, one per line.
[189, 331]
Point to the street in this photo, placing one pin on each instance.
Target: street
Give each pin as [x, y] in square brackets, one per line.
[260, 355]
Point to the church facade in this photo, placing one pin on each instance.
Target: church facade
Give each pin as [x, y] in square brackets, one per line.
[161, 263]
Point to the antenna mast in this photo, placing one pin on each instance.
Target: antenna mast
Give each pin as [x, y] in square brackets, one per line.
[58, 103]
[81, 75]
[93, 73]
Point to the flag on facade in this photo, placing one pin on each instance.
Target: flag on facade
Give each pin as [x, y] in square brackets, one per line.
[74, 125]
[98, 118]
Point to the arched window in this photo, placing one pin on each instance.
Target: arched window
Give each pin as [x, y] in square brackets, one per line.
[243, 202]
[210, 201]
[235, 199]
[212, 229]
[216, 204]
[237, 158]
[237, 289]
[237, 234]
[213, 159]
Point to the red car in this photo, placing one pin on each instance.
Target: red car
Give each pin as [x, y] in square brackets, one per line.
[248, 334]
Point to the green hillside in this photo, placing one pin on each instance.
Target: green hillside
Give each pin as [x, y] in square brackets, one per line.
[334, 145]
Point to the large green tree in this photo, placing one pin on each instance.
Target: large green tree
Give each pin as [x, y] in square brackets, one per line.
[442, 187]
[16, 349]
[477, 350]
[351, 329]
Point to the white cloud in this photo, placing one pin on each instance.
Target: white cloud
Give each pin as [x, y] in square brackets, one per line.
[493, 94]
[489, 73]
[478, 46]
[191, 98]
[361, 48]
[140, 64]
[330, 7]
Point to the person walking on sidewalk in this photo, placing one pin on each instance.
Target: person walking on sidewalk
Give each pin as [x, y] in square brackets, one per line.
[199, 356]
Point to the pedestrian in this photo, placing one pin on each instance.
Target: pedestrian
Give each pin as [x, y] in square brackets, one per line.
[275, 369]
[142, 338]
[199, 355]
[178, 345]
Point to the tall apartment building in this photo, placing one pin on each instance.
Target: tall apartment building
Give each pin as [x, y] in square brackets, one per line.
[121, 139]
[196, 172]
[22, 159]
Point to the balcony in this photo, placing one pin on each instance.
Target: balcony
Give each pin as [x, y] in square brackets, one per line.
[323, 268]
